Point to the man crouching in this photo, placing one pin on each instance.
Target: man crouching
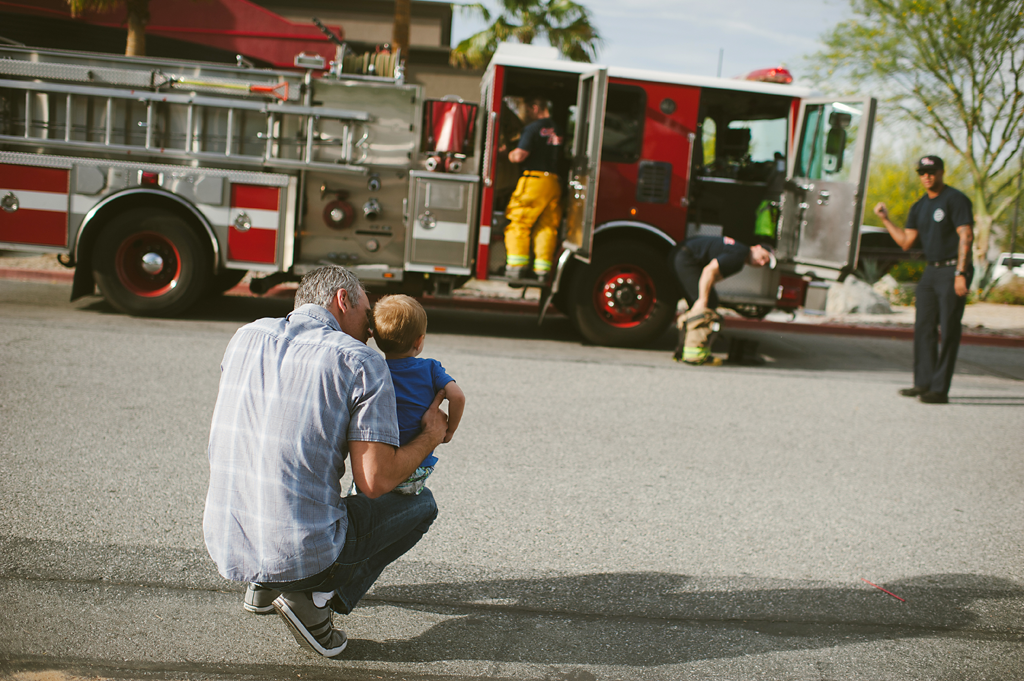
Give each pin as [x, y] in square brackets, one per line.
[297, 395]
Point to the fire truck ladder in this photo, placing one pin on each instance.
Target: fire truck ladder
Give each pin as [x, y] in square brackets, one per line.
[144, 114]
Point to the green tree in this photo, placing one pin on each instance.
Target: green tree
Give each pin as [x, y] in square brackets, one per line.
[951, 67]
[893, 181]
[138, 17]
[565, 24]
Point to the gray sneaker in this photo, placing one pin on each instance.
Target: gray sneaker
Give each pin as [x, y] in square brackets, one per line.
[312, 627]
[259, 599]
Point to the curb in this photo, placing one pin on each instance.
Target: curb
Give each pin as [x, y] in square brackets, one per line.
[893, 333]
[531, 307]
[48, 276]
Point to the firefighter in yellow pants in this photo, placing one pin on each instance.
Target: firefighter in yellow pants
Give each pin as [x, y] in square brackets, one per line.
[535, 209]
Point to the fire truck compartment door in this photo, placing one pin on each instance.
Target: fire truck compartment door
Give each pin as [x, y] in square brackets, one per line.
[586, 162]
[33, 206]
[440, 222]
[823, 201]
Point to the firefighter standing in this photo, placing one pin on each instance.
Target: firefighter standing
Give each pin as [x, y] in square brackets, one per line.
[699, 263]
[944, 219]
[535, 208]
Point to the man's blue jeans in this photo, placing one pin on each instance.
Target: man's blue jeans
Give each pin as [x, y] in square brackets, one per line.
[379, 532]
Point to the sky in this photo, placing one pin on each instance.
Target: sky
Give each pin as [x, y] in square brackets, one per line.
[685, 36]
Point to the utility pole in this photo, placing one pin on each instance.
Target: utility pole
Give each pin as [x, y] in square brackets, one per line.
[721, 54]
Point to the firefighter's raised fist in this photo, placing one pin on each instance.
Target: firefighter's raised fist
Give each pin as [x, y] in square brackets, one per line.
[881, 211]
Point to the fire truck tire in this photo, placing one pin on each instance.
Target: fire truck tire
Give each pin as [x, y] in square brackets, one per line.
[150, 263]
[624, 297]
[225, 280]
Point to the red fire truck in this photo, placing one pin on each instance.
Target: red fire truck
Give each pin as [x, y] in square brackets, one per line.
[162, 182]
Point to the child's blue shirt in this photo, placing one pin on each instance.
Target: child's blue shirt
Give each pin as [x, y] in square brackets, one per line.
[416, 380]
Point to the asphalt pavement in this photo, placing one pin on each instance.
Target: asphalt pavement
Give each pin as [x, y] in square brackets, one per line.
[605, 514]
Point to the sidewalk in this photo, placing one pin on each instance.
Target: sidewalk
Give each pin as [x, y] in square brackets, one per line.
[984, 323]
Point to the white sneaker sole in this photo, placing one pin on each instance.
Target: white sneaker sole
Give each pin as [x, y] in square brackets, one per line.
[258, 609]
[302, 635]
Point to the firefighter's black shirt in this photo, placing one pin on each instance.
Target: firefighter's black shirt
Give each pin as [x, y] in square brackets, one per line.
[936, 221]
[544, 141]
[730, 254]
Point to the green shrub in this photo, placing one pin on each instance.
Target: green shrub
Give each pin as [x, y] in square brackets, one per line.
[907, 271]
[903, 296]
[1010, 293]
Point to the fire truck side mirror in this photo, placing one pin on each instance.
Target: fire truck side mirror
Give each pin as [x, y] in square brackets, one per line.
[835, 144]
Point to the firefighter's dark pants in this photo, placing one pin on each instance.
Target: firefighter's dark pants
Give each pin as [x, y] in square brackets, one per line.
[688, 270]
[938, 308]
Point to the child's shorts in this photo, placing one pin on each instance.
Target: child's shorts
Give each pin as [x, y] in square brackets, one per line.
[416, 482]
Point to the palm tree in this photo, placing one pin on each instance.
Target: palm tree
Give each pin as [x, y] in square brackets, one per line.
[400, 30]
[565, 23]
[138, 17]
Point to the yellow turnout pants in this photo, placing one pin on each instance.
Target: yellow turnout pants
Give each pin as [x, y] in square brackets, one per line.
[535, 209]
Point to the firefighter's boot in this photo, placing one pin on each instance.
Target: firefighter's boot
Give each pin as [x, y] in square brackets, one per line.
[696, 334]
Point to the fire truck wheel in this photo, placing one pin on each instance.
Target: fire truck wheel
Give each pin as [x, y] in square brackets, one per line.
[150, 263]
[624, 297]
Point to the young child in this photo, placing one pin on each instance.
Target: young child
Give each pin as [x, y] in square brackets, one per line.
[400, 327]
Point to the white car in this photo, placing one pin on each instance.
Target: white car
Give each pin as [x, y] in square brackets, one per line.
[1008, 262]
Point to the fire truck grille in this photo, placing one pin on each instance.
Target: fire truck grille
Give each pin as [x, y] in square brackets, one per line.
[654, 181]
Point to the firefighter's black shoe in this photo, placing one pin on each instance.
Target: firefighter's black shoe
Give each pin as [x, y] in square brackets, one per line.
[913, 392]
[934, 398]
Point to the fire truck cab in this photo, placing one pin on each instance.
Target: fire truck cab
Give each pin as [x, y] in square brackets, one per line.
[655, 158]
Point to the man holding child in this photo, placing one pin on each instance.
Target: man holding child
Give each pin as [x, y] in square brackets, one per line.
[297, 396]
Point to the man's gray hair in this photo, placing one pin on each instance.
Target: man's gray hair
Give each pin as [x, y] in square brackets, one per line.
[322, 284]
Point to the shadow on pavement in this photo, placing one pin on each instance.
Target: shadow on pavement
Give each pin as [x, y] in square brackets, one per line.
[643, 619]
[987, 401]
[635, 619]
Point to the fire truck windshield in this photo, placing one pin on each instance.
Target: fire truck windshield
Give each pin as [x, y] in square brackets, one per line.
[743, 149]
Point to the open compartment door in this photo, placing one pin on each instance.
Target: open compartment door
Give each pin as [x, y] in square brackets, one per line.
[823, 201]
[586, 162]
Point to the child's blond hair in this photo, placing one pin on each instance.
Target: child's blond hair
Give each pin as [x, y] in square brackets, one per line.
[398, 320]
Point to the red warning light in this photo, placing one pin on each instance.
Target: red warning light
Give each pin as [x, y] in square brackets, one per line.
[773, 75]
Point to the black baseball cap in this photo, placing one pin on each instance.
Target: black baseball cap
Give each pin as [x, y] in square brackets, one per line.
[930, 164]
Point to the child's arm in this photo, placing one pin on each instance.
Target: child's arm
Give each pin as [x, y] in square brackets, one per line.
[456, 404]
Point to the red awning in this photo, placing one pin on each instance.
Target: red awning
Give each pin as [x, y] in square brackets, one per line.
[233, 25]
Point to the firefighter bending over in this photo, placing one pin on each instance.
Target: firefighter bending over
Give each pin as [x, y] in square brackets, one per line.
[535, 208]
[700, 263]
